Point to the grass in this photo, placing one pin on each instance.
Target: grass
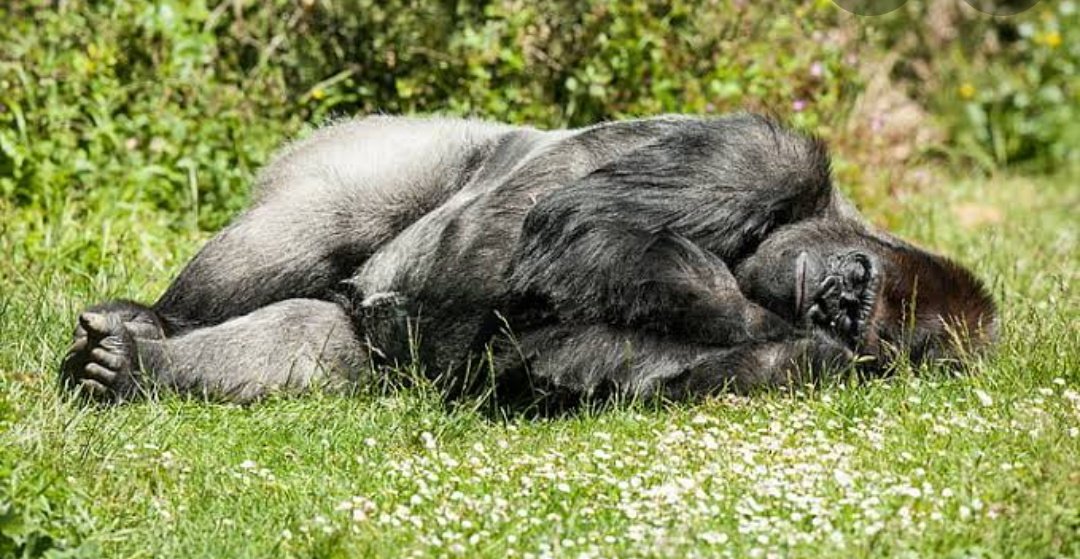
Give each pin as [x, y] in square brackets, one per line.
[923, 464]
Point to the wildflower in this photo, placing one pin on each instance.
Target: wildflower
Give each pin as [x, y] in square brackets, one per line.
[714, 538]
[967, 91]
[799, 105]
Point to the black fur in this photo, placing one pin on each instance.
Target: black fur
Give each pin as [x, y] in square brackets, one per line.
[671, 256]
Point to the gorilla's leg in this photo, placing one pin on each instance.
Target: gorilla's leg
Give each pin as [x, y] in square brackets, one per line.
[271, 253]
[600, 360]
[323, 207]
[292, 345]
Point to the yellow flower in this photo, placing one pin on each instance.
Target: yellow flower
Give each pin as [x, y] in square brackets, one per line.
[1052, 39]
[318, 93]
[967, 91]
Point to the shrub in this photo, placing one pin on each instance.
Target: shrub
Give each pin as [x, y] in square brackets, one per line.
[173, 104]
[1006, 89]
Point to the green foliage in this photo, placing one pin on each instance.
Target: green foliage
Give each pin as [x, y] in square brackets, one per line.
[175, 104]
[1027, 109]
[130, 102]
[41, 516]
[560, 63]
[1007, 90]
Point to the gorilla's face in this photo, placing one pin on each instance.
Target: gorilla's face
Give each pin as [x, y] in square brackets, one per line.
[817, 275]
[875, 294]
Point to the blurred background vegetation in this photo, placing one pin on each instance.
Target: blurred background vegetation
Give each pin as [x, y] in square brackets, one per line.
[171, 105]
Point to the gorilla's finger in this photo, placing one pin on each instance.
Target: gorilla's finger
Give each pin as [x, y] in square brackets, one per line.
[95, 324]
[100, 374]
[116, 344]
[108, 359]
[78, 346]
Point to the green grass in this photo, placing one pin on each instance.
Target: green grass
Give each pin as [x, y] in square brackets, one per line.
[921, 465]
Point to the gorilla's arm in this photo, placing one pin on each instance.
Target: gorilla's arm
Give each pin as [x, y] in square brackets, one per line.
[573, 361]
[661, 283]
[645, 241]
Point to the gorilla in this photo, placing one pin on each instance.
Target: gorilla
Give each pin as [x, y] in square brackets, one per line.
[668, 257]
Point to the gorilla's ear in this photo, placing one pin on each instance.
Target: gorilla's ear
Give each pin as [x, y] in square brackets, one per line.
[933, 307]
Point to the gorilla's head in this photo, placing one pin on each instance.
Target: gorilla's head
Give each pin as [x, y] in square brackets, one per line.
[877, 294]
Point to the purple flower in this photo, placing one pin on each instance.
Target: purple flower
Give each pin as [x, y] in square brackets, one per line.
[799, 105]
[877, 123]
[817, 70]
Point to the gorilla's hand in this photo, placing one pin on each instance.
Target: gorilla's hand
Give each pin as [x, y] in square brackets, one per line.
[821, 353]
[837, 293]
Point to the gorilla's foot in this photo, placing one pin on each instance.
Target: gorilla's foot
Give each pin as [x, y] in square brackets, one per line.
[103, 361]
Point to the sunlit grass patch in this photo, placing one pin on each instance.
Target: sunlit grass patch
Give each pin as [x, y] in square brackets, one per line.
[925, 464]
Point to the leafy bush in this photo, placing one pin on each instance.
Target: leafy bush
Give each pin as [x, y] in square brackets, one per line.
[1005, 89]
[173, 104]
[122, 102]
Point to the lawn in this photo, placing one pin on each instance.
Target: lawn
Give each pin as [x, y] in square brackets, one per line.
[923, 464]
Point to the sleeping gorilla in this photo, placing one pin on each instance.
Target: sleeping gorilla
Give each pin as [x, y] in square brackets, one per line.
[670, 256]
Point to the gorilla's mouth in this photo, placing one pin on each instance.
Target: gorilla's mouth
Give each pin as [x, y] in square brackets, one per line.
[837, 295]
